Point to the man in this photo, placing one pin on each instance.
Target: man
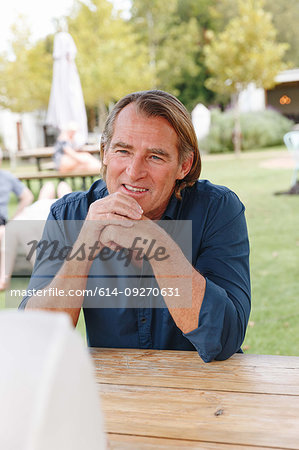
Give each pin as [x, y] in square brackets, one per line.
[151, 164]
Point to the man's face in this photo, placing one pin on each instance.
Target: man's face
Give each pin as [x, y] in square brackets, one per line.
[142, 160]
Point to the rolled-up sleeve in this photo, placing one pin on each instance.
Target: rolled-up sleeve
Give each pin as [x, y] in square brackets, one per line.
[223, 260]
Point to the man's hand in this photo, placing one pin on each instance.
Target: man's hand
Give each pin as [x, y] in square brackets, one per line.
[115, 206]
[143, 237]
[114, 209]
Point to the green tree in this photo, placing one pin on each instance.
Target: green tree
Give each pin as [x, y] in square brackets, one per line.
[286, 21]
[245, 52]
[25, 72]
[192, 89]
[285, 17]
[110, 61]
[171, 43]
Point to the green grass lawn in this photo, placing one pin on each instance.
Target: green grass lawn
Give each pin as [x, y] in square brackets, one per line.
[273, 223]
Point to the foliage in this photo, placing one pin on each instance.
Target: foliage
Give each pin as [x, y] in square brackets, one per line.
[110, 61]
[243, 53]
[171, 43]
[259, 130]
[192, 89]
[286, 20]
[25, 78]
[162, 45]
[285, 17]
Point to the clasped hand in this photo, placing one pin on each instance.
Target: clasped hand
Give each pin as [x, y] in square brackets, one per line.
[117, 222]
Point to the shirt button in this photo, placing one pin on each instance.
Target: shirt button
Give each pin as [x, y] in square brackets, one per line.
[143, 320]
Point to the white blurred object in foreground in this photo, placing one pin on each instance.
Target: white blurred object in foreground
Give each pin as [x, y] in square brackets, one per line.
[48, 393]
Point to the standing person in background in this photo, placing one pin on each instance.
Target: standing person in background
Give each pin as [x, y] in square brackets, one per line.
[66, 156]
[17, 235]
[9, 183]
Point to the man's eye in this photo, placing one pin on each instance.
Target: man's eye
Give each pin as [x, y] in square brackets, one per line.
[122, 151]
[156, 158]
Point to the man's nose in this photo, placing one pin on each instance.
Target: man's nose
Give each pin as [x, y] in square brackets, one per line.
[136, 168]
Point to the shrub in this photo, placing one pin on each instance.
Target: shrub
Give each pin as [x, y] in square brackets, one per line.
[259, 129]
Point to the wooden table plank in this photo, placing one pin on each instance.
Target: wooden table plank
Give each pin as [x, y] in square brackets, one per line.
[177, 357]
[223, 417]
[171, 399]
[128, 442]
[47, 152]
[241, 373]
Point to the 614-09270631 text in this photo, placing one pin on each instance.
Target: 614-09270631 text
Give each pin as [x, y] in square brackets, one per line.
[101, 292]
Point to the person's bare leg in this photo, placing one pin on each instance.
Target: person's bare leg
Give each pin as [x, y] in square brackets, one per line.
[67, 164]
[63, 188]
[47, 191]
[89, 163]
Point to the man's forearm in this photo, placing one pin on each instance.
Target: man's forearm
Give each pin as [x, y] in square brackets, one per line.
[188, 284]
[173, 272]
[73, 276]
[68, 278]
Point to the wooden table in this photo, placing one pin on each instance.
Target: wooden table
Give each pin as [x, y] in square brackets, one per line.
[171, 399]
[47, 152]
[62, 176]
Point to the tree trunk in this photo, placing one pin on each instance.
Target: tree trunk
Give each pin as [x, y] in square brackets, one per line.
[237, 133]
[102, 115]
[19, 126]
[91, 118]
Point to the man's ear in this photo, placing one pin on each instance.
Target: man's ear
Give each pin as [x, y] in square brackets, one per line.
[185, 167]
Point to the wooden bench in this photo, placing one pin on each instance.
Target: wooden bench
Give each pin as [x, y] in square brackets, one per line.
[47, 175]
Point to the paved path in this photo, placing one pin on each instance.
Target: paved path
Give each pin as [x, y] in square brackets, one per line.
[273, 159]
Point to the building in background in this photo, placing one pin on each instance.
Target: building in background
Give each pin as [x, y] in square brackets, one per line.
[284, 97]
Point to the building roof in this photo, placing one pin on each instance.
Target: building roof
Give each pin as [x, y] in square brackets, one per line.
[287, 76]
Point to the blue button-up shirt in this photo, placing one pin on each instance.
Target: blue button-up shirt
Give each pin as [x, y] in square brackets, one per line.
[220, 252]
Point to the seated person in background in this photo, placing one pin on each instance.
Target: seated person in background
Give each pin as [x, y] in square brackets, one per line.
[151, 166]
[67, 158]
[19, 235]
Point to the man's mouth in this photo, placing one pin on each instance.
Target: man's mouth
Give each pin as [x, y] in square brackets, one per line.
[134, 188]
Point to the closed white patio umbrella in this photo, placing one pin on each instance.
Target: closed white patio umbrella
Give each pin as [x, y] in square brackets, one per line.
[66, 102]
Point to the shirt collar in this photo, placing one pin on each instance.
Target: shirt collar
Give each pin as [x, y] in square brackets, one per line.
[171, 210]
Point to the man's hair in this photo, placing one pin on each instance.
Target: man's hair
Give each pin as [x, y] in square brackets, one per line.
[157, 103]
